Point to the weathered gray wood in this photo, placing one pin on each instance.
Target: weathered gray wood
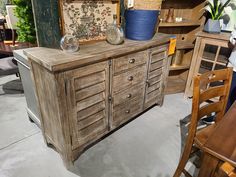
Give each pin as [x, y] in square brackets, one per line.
[157, 74]
[128, 94]
[83, 96]
[129, 61]
[57, 60]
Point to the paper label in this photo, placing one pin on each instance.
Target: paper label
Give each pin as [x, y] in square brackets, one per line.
[130, 3]
[172, 46]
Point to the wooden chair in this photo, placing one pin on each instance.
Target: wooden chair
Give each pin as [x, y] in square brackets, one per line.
[210, 96]
[12, 20]
[227, 170]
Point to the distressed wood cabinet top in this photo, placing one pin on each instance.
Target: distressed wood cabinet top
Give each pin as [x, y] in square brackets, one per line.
[221, 36]
[56, 60]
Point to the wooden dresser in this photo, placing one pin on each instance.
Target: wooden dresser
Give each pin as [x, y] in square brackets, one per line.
[84, 95]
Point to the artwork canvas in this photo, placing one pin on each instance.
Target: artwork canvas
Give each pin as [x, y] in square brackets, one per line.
[87, 20]
[228, 20]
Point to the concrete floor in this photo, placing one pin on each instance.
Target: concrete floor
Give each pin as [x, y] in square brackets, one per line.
[149, 146]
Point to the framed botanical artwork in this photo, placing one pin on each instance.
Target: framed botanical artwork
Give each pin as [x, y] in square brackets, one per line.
[87, 20]
[228, 20]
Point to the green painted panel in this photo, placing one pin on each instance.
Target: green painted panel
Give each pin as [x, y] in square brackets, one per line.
[46, 15]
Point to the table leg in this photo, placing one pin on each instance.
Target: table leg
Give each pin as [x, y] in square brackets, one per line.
[209, 165]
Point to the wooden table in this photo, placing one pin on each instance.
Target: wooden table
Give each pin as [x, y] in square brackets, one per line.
[5, 49]
[221, 145]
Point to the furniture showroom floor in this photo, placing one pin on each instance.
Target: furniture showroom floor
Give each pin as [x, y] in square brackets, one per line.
[149, 146]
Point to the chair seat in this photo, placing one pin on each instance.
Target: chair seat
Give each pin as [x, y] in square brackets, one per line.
[203, 135]
[7, 67]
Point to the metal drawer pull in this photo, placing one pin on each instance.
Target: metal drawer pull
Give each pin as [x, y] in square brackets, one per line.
[130, 78]
[132, 60]
[129, 95]
[127, 111]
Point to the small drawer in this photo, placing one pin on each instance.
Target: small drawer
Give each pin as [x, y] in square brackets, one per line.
[129, 78]
[126, 95]
[129, 61]
[126, 111]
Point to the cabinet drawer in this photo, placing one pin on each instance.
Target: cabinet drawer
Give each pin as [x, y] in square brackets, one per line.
[126, 111]
[129, 78]
[129, 61]
[126, 95]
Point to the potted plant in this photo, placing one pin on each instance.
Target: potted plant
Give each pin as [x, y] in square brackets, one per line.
[214, 9]
[25, 25]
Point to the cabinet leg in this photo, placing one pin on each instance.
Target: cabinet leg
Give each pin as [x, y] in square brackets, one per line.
[69, 164]
[160, 102]
[31, 120]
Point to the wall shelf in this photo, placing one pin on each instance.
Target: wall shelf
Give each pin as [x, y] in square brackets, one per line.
[183, 23]
[184, 45]
[175, 84]
[185, 32]
[179, 67]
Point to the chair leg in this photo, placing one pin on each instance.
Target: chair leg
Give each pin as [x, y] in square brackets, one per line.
[13, 38]
[184, 159]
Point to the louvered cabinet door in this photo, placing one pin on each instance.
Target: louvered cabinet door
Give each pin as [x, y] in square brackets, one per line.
[88, 89]
[157, 73]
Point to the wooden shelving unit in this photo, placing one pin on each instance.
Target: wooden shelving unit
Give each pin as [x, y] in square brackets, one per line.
[184, 45]
[191, 13]
[179, 67]
[211, 52]
[183, 23]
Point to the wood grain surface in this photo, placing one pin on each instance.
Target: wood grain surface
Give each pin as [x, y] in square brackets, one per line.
[57, 60]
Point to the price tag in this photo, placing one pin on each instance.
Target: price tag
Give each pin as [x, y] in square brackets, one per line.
[130, 3]
[172, 46]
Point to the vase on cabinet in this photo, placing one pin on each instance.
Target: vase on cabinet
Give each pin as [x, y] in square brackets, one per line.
[212, 26]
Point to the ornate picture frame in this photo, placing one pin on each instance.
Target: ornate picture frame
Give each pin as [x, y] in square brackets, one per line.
[87, 20]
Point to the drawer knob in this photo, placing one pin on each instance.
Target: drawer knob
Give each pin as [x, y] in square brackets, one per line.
[130, 78]
[127, 111]
[129, 95]
[132, 60]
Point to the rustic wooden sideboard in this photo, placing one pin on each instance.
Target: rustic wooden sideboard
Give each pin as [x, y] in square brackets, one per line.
[83, 96]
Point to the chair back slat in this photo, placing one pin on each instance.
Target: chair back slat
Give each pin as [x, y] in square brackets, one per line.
[213, 92]
[211, 108]
[214, 97]
[215, 75]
